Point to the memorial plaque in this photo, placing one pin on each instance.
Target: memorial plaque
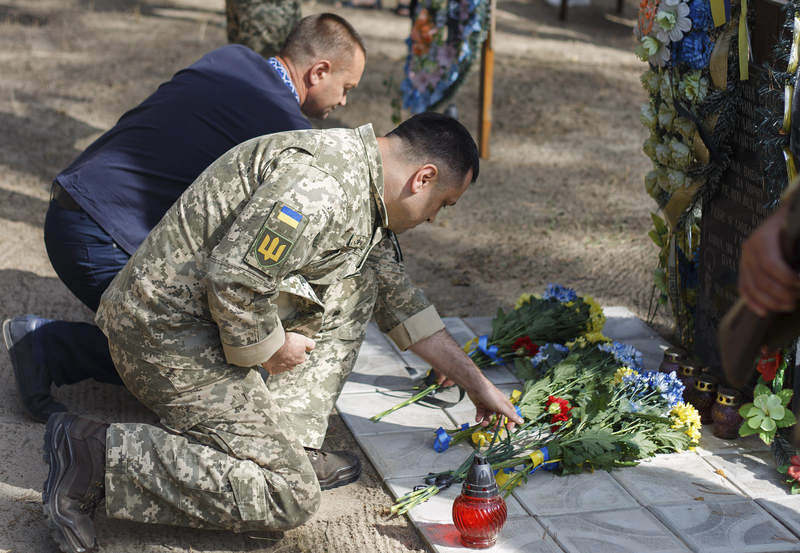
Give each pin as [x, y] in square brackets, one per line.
[739, 206]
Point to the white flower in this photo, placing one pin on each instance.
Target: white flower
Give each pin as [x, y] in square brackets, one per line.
[666, 86]
[676, 180]
[684, 127]
[680, 154]
[648, 116]
[694, 86]
[666, 114]
[663, 153]
[651, 184]
[672, 22]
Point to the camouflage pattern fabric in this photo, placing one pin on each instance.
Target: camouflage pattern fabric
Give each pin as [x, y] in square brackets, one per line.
[282, 233]
[261, 25]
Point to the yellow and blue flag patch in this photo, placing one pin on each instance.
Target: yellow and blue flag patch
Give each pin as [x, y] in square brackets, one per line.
[289, 216]
[276, 237]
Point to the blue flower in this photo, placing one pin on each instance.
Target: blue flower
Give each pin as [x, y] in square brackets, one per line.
[700, 14]
[557, 351]
[694, 50]
[442, 441]
[626, 355]
[560, 293]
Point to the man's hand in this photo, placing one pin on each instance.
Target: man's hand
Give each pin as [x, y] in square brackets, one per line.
[450, 361]
[766, 282]
[489, 400]
[292, 353]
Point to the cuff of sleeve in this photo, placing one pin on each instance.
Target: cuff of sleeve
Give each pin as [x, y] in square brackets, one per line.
[417, 327]
[255, 354]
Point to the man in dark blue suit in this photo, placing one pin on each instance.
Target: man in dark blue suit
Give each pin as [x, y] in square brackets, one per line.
[106, 202]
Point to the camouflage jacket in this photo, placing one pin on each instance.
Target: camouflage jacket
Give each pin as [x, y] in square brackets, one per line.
[244, 252]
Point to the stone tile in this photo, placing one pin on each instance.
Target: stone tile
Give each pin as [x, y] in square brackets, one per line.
[786, 509]
[516, 536]
[710, 444]
[622, 325]
[548, 494]
[740, 526]
[623, 531]
[356, 410]
[479, 325]
[754, 473]
[464, 411]
[440, 507]
[410, 454]
[675, 478]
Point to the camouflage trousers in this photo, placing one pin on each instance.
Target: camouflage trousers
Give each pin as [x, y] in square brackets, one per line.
[231, 456]
[261, 25]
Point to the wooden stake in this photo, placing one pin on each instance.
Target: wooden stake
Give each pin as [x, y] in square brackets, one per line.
[487, 81]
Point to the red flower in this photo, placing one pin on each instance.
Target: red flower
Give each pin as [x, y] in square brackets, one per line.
[525, 342]
[559, 409]
[794, 469]
[768, 364]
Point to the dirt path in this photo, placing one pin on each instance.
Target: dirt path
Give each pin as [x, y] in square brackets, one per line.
[560, 200]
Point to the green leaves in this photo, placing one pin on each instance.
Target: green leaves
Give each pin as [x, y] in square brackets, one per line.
[767, 413]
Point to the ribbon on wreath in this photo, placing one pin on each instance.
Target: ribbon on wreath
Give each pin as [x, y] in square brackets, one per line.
[541, 459]
[720, 12]
[489, 351]
[744, 44]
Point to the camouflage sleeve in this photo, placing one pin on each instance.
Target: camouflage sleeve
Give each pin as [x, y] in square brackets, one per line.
[273, 235]
[402, 311]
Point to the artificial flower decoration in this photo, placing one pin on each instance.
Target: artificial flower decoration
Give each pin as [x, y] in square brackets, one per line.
[766, 413]
[768, 364]
[794, 467]
[672, 21]
[666, 113]
[648, 117]
[559, 409]
[647, 15]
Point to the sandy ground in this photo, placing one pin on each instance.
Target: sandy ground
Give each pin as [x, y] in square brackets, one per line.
[560, 200]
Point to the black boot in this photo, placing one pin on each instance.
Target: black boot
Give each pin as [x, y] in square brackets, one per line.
[32, 376]
[334, 468]
[75, 449]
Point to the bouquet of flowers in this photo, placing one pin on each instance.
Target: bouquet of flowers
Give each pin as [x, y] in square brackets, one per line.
[558, 316]
[588, 410]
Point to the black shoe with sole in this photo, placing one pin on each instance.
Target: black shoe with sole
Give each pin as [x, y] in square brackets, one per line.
[30, 373]
[334, 468]
[75, 449]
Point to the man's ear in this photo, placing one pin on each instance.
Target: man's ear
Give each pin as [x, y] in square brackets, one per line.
[424, 177]
[320, 70]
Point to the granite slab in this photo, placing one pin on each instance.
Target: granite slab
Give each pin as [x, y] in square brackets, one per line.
[410, 454]
[674, 478]
[548, 494]
[356, 410]
[520, 535]
[754, 473]
[740, 526]
[623, 531]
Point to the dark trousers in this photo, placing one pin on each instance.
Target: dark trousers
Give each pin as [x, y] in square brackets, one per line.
[86, 259]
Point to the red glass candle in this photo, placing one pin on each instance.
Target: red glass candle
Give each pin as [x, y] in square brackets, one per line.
[479, 512]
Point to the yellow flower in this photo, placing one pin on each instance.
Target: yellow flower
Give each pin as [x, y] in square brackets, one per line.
[579, 342]
[481, 438]
[596, 318]
[515, 396]
[470, 345]
[621, 373]
[595, 337]
[685, 416]
[522, 300]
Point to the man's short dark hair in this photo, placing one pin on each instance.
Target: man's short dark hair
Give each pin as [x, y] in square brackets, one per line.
[431, 137]
[325, 35]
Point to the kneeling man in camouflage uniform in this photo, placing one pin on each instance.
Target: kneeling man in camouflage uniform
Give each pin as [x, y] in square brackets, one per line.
[277, 256]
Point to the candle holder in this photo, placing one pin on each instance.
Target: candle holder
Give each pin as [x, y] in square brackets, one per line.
[725, 414]
[479, 512]
[671, 361]
[702, 396]
[688, 375]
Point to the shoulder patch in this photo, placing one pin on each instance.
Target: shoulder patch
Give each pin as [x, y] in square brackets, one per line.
[276, 238]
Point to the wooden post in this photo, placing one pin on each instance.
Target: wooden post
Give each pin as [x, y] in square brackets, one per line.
[487, 81]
